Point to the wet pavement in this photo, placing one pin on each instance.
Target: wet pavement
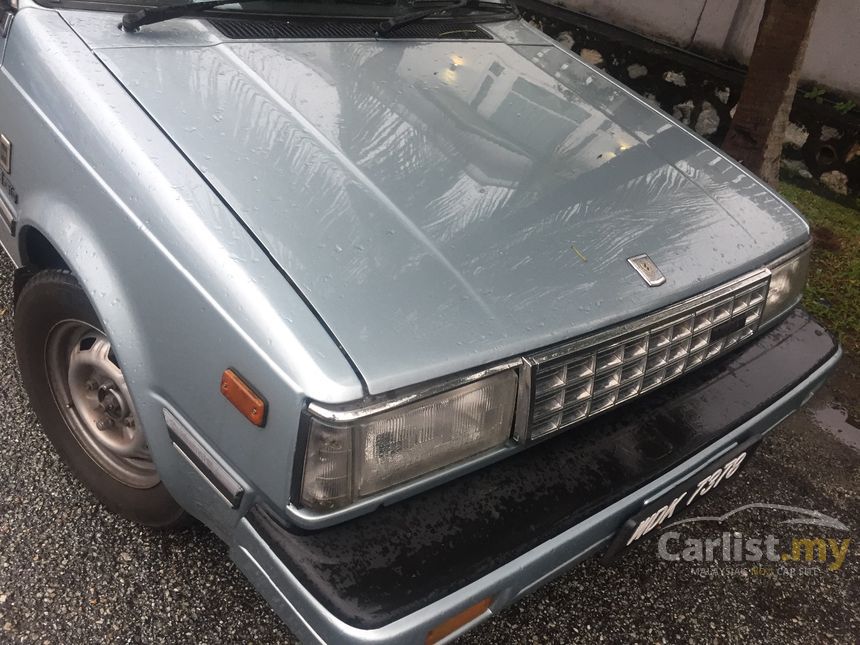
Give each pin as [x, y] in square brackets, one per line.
[832, 417]
[70, 572]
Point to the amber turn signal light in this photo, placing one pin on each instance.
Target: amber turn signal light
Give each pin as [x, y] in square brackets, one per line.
[243, 397]
[456, 622]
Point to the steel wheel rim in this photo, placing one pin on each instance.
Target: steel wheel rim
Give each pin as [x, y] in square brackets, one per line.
[93, 398]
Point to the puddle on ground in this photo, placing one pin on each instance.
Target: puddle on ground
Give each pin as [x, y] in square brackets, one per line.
[834, 419]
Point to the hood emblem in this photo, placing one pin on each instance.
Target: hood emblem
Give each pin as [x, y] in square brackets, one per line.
[646, 268]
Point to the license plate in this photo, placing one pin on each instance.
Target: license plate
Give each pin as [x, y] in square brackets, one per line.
[660, 511]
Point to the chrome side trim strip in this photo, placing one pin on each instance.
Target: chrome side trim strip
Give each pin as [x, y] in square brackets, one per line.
[353, 412]
[803, 248]
[5, 144]
[525, 400]
[193, 450]
[8, 217]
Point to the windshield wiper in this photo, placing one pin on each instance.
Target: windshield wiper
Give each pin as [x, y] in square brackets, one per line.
[393, 24]
[136, 19]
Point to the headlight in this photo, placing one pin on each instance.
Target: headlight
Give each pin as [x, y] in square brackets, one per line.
[787, 280]
[347, 460]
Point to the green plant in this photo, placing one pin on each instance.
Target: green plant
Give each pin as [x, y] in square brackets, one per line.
[844, 107]
[833, 291]
[816, 94]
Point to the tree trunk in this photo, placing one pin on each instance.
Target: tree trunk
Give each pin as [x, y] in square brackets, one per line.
[758, 127]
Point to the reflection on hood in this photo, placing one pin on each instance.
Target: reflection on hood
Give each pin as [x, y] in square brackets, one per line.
[446, 204]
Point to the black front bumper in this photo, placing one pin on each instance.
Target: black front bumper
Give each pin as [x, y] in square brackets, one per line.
[381, 567]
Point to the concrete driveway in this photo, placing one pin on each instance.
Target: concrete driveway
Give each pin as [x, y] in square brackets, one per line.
[70, 572]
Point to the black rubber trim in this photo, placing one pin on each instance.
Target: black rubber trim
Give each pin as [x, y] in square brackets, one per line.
[685, 488]
[328, 29]
[385, 565]
[217, 475]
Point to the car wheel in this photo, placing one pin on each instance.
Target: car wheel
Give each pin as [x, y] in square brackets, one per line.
[77, 388]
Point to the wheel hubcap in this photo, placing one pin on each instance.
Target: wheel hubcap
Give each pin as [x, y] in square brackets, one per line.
[95, 402]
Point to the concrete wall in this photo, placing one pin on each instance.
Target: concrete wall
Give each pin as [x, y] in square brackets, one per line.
[728, 28]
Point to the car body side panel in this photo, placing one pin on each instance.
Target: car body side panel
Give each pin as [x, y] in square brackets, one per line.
[181, 288]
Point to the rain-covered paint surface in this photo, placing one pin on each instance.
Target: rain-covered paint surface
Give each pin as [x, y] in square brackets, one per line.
[184, 291]
[446, 204]
[834, 419]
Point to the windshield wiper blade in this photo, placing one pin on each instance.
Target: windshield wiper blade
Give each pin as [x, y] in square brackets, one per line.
[136, 19]
[393, 24]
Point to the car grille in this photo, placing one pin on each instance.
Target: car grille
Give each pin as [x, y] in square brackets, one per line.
[583, 378]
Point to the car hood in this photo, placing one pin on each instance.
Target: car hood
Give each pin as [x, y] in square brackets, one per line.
[442, 205]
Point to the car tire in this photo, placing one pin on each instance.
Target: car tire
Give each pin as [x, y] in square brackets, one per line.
[77, 390]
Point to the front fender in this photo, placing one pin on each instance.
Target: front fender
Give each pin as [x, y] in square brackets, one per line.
[180, 287]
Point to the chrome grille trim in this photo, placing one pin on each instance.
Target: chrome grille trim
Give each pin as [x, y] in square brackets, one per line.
[579, 379]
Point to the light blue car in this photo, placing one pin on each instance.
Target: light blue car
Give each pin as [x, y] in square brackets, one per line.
[408, 304]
